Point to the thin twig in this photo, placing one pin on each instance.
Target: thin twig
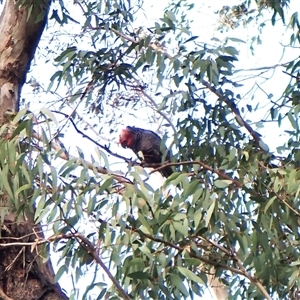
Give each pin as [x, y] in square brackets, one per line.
[253, 279]
[90, 247]
[235, 110]
[84, 162]
[156, 239]
[92, 140]
[262, 68]
[235, 257]
[155, 105]
[197, 162]
[230, 103]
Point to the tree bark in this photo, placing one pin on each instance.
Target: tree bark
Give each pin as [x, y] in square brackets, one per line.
[219, 289]
[19, 38]
[23, 275]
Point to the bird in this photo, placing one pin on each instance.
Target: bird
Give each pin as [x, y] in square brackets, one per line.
[147, 142]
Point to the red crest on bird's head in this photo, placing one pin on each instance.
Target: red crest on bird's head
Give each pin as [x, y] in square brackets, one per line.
[126, 138]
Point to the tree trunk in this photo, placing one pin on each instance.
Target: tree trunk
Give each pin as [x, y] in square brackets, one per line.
[23, 275]
[219, 289]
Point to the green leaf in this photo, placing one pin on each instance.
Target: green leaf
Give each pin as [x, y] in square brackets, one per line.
[192, 188]
[292, 278]
[7, 186]
[197, 218]
[49, 114]
[105, 185]
[179, 216]
[139, 275]
[177, 283]
[293, 120]
[231, 50]
[171, 15]
[236, 40]
[62, 270]
[190, 275]
[222, 183]
[191, 39]
[181, 228]
[209, 213]
[270, 202]
[146, 227]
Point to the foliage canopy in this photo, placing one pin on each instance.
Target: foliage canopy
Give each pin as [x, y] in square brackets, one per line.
[231, 209]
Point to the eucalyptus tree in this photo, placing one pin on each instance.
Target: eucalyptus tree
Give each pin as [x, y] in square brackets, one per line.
[230, 211]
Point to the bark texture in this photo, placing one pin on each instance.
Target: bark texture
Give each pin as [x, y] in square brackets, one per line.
[23, 275]
[19, 37]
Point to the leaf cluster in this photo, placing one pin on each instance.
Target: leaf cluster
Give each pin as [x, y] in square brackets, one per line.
[229, 211]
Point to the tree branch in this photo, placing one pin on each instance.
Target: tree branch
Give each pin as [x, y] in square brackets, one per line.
[93, 252]
[235, 257]
[230, 103]
[195, 162]
[256, 136]
[88, 164]
[90, 139]
[155, 105]
[90, 249]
